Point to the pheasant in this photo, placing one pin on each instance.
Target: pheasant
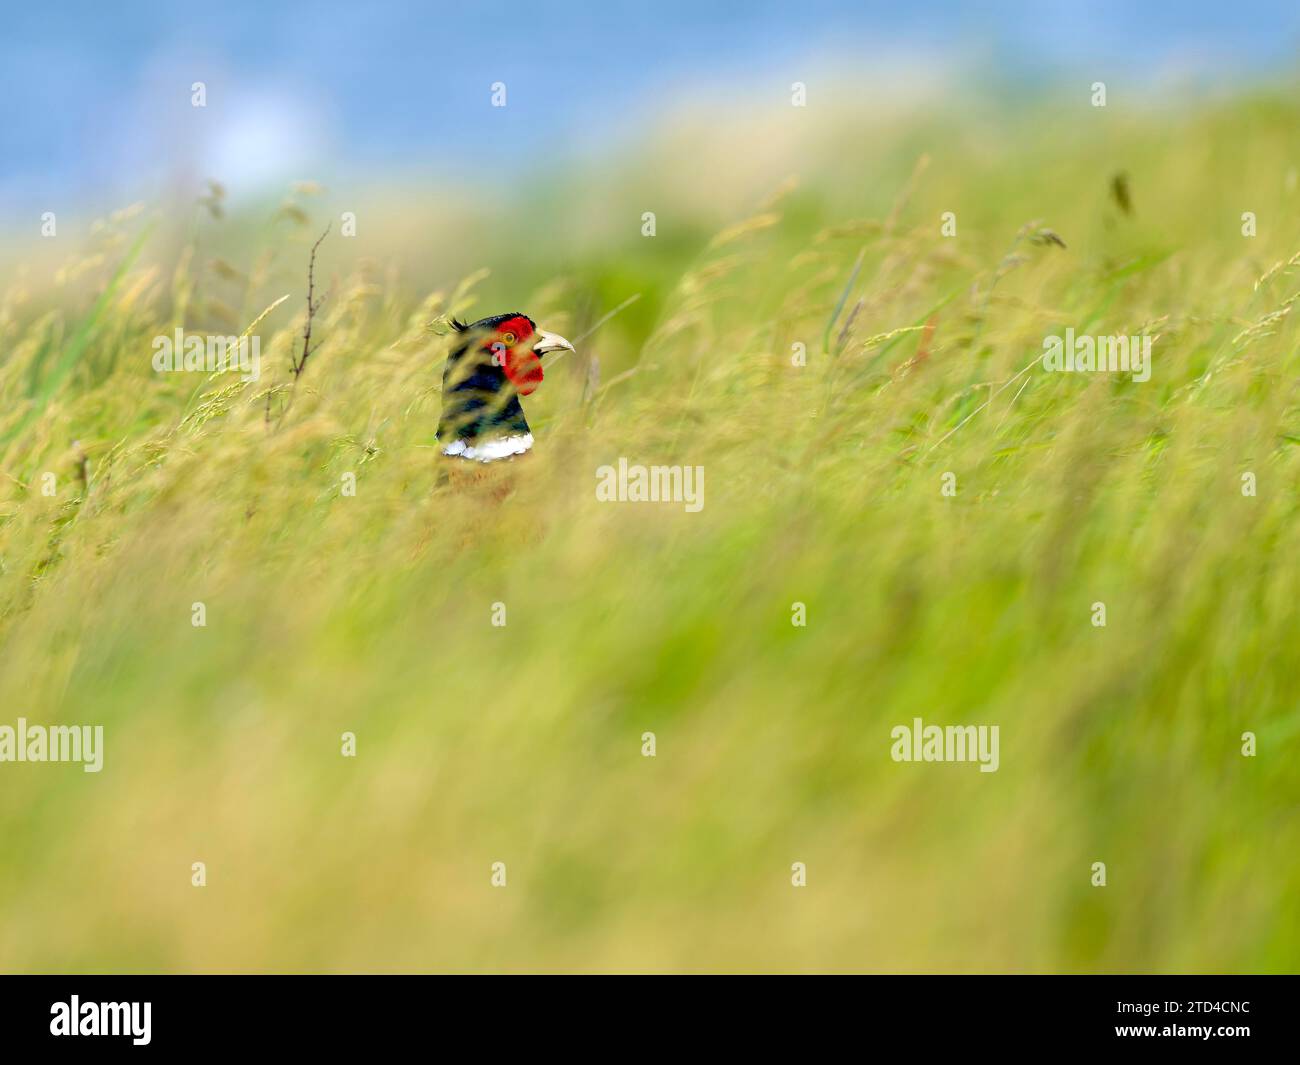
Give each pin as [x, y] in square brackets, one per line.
[494, 362]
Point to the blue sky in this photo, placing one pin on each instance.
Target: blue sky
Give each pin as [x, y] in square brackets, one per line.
[95, 101]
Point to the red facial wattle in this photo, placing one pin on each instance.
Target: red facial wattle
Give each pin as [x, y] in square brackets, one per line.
[524, 369]
[521, 364]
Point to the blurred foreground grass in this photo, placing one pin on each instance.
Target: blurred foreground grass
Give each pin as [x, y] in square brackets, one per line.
[476, 744]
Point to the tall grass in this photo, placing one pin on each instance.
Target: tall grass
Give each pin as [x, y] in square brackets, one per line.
[329, 613]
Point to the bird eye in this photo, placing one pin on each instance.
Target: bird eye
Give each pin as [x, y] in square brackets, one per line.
[509, 338]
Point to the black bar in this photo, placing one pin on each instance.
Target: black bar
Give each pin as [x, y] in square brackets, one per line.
[977, 1014]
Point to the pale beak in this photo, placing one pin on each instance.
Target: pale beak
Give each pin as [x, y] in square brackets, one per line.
[550, 342]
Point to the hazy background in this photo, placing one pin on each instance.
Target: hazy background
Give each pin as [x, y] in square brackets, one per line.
[95, 108]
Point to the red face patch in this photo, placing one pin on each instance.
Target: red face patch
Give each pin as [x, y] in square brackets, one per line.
[516, 356]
